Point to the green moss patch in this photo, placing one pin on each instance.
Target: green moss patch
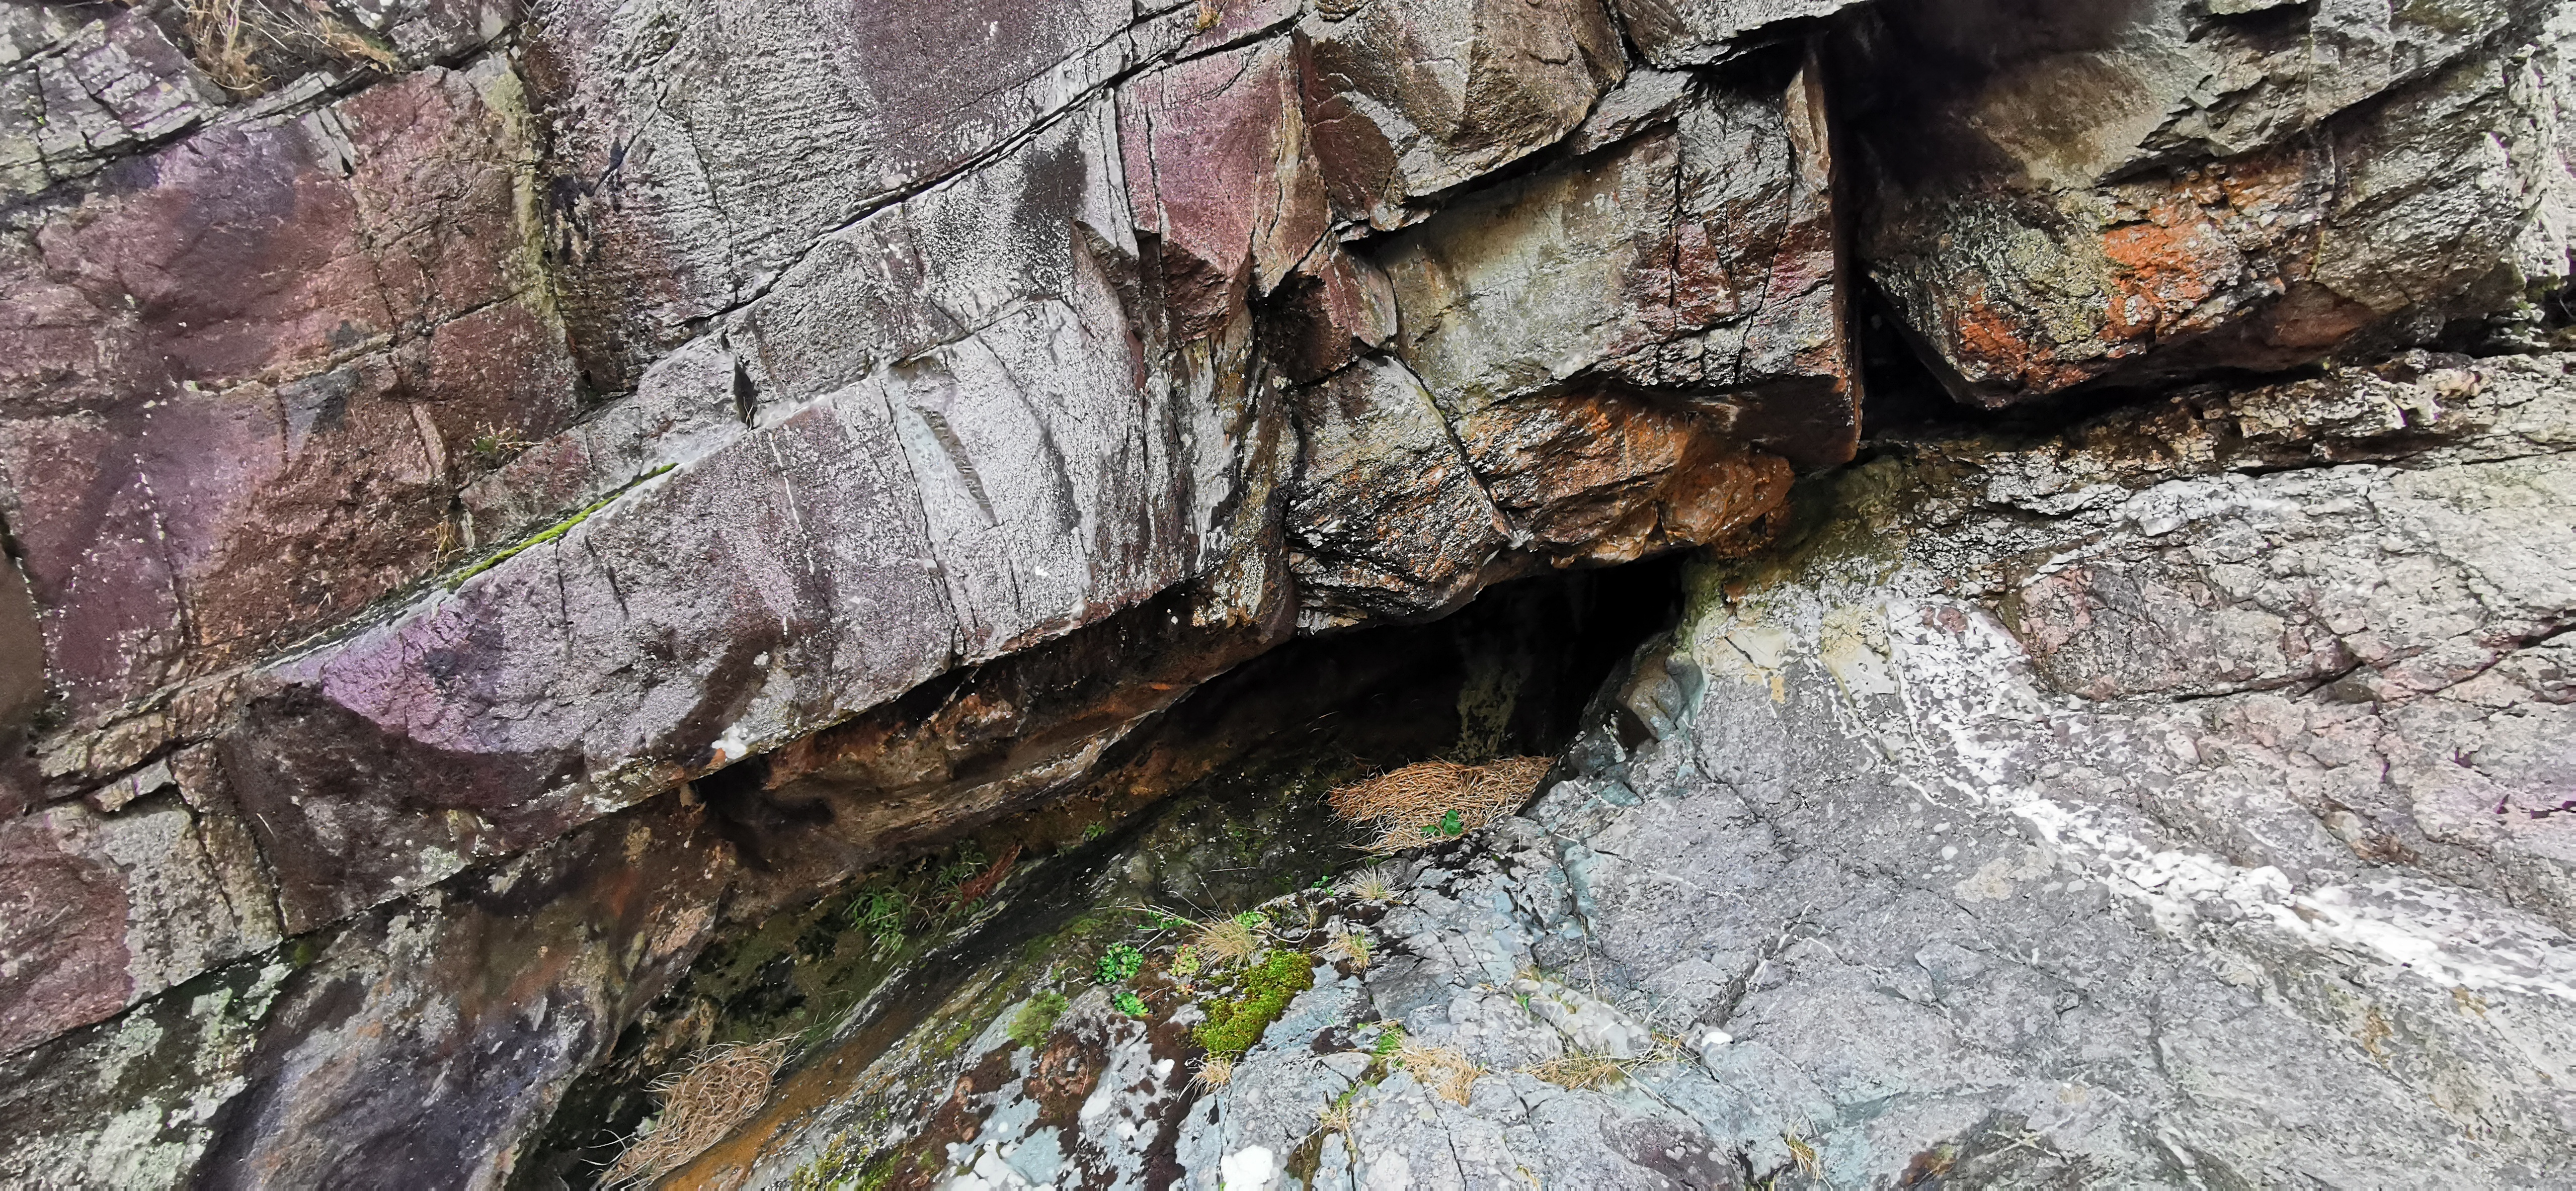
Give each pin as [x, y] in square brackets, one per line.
[1234, 1025]
[1036, 1019]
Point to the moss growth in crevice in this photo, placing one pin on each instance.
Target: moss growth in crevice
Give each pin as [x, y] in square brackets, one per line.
[1234, 1025]
[1036, 1019]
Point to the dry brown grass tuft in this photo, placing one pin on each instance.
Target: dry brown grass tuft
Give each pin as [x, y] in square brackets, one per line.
[1376, 883]
[1442, 1069]
[723, 1086]
[1215, 1071]
[1354, 944]
[228, 34]
[224, 43]
[1580, 1072]
[1336, 1117]
[1409, 807]
[1804, 1154]
[1226, 941]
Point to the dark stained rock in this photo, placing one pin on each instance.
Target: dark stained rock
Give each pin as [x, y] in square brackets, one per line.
[488, 997]
[1385, 519]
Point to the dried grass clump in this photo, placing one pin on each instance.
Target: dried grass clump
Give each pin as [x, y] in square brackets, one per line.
[228, 34]
[1415, 805]
[1355, 945]
[1215, 1071]
[1376, 883]
[1226, 941]
[722, 1087]
[1443, 1069]
[1336, 1117]
[224, 43]
[1580, 1072]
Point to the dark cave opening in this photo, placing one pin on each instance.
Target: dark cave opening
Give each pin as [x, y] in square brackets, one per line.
[1511, 673]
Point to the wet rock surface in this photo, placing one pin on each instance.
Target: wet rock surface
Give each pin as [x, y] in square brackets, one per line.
[503, 503]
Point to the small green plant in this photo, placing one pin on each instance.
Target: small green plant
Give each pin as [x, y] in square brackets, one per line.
[880, 914]
[1253, 920]
[1451, 826]
[1129, 1003]
[495, 444]
[1233, 1026]
[1036, 1019]
[1094, 830]
[1185, 962]
[1121, 961]
[1390, 1039]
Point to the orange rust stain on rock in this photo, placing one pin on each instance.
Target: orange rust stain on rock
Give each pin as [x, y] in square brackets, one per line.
[2166, 267]
[1995, 342]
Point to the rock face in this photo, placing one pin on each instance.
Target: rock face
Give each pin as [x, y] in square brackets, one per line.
[2174, 803]
[500, 499]
[2162, 187]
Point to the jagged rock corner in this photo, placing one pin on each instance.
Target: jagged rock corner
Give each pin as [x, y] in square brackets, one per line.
[2040, 540]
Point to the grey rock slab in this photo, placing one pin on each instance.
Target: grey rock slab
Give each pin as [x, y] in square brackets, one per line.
[774, 586]
[1700, 257]
[1674, 34]
[76, 95]
[707, 145]
[1407, 101]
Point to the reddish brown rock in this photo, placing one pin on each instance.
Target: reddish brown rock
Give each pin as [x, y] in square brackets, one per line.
[1218, 170]
[99, 911]
[247, 376]
[1603, 478]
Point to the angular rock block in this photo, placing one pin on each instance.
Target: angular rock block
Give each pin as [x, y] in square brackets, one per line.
[1673, 34]
[704, 145]
[76, 95]
[1410, 100]
[2164, 188]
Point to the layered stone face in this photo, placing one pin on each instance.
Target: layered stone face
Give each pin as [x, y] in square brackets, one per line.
[496, 499]
[2158, 189]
